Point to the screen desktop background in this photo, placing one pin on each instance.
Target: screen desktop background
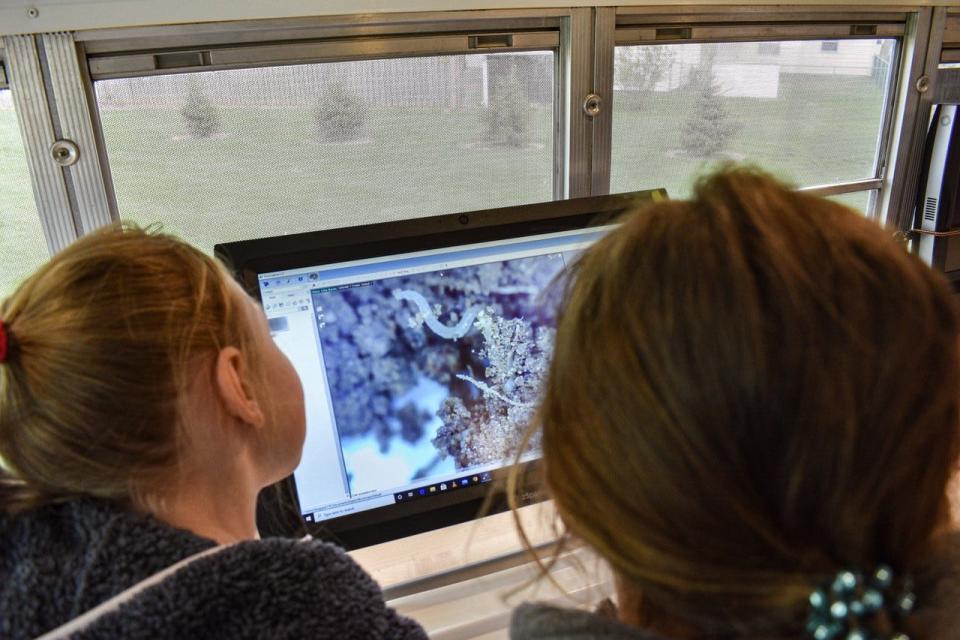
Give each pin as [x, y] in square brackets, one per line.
[435, 374]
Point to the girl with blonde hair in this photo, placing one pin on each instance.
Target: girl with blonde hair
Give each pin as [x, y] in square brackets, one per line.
[143, 406]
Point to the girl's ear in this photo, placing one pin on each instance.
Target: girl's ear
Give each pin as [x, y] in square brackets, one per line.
[232, 385]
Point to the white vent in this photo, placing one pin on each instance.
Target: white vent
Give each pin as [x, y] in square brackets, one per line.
[930, 210]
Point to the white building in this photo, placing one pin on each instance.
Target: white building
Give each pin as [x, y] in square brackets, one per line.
[749, 69]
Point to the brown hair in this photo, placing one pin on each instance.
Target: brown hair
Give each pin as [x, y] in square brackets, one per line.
[750, 391]
[101, 336]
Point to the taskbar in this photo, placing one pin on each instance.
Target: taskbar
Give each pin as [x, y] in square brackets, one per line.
[437, 488]
[407, 495]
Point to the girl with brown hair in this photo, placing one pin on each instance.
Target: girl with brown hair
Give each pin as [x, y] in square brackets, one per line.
[143, 406]
[752, 416]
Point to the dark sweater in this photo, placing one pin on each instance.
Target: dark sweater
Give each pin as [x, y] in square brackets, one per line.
[60, 561]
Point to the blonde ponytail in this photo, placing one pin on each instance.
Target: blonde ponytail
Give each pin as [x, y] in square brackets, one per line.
[103, 334]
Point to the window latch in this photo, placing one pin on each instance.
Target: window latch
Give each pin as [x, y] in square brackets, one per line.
[674, 33]
[181, 59]
[491, 41]
[863, 29]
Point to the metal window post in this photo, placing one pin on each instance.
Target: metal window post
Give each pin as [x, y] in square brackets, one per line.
[67, 165]
[576, 54]
[32, 103]
[86, 176]
[920, 58]
[605, 30]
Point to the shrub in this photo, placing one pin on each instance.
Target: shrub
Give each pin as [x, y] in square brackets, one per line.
[505, 119]
[708, 129]
[199, 114]
[340, 114]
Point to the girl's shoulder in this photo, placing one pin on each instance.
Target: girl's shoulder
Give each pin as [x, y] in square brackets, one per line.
[536, 621]
[274, 588]
[315, 571]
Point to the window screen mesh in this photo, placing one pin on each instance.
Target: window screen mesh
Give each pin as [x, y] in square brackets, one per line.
[810, 116]
[22, 244]
[859, 200]
[229, 155]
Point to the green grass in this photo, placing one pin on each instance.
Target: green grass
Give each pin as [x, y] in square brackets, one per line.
[819, 130]
[267, 176]
[857, 200]
[22, 245]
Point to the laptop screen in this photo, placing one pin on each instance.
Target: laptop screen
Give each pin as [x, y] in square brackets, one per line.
[420, 370]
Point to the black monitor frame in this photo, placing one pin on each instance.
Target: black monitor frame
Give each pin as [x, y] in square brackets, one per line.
[279, 512]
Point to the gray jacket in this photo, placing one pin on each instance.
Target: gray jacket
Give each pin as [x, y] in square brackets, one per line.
[543, 622]
[62, 560]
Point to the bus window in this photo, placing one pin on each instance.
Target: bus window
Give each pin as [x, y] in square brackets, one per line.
[22, 243]
[810, 114]
[862, 201]
[234, 154]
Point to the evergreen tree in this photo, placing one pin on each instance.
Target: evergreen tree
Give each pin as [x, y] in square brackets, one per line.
[505, 119]
[708, 129]
[199, 114]
[340, 115]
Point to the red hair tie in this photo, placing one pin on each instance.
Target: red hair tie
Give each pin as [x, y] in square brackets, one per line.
[4, 343]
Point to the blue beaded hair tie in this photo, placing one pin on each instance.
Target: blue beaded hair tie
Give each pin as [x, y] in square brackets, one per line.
[842, 609]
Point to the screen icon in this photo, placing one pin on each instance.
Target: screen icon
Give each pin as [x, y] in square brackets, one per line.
[464, 482]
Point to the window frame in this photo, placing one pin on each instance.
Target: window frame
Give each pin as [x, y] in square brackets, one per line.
[584, 66]
[144, 51]
[637, 26]
[270, 54]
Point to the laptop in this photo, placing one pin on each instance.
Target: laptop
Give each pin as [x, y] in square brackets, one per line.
[421, 346]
